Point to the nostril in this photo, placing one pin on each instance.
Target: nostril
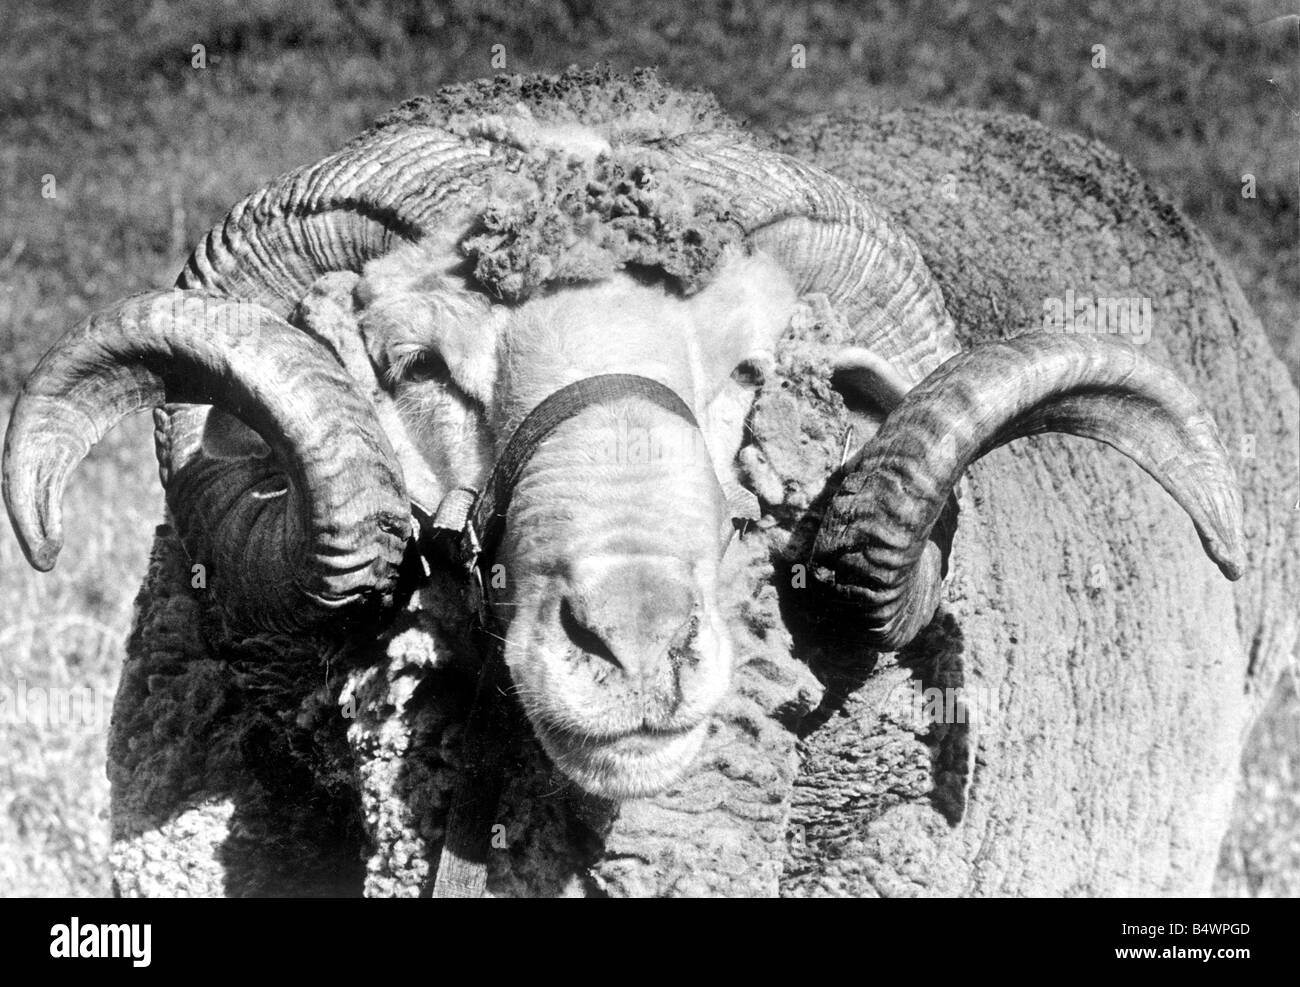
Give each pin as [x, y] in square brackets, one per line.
[682, 646]
[583, 636]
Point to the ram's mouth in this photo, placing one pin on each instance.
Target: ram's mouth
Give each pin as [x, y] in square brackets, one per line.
[635, 764]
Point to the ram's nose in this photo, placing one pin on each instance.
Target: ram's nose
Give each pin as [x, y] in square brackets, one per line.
[640, 615]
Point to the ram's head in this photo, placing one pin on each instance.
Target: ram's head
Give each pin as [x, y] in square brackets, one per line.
[506, 241]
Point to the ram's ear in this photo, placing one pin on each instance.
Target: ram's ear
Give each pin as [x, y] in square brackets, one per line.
[868, 383]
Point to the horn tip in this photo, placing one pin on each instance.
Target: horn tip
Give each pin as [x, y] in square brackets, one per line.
[1233, 565]
[1227, 549]
[43, 554]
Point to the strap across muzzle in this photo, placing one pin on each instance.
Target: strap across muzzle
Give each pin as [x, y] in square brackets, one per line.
[466, 529]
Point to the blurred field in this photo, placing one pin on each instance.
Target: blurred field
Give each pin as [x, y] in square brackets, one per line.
[146, 151]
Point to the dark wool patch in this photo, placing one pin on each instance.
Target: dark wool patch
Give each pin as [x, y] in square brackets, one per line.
[555, 218]
[561, 220]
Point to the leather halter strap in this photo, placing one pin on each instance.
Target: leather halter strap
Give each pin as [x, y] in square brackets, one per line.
[475, 521]
[487, 522]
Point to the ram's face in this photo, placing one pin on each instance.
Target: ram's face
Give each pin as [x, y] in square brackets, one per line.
[590, 226]
[606, 589]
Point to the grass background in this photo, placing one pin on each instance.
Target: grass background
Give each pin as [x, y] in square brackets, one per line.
[146, 152]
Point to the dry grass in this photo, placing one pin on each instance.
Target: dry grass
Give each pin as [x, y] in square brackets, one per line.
[147, 152]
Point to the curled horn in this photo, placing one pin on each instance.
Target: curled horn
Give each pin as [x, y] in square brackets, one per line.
[831, 240]
[334, 215]
[279, 559]
[284, 554]
[874, 546]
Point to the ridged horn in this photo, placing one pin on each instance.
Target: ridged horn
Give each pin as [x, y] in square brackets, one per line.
[874, 546]
[283, 554]
[383, 190]
[830, 239]
[334, 215]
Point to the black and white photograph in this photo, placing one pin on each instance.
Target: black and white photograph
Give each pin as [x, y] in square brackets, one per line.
[695, 449]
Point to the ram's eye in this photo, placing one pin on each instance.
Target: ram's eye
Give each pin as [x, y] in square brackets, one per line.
[419, 365]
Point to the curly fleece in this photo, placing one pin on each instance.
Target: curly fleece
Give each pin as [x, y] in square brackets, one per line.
[581, 191]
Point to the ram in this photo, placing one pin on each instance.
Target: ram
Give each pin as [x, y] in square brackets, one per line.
[569, 396]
